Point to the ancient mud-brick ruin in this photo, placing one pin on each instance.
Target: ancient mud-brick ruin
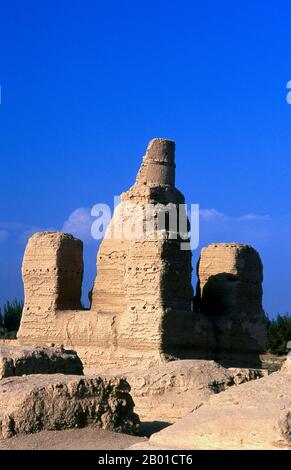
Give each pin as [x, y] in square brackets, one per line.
[142, 299]
[229, 293]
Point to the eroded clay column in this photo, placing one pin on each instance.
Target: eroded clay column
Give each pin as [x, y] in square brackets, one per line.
[52, 272]
[229, 292]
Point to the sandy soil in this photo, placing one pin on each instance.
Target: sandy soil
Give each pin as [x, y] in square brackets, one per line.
[88, 438]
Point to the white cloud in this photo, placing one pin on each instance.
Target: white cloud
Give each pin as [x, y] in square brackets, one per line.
[255, 229]
[212, 215]
[79, 223]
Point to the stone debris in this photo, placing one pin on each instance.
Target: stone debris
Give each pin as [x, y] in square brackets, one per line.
[53, 402]
[286, 366]
[254, 415]
[181, 387]
[272, 362]
[25, 360]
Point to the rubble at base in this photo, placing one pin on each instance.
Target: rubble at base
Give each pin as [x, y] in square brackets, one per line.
[254, 415]
[33, 403]
[26, 360]
[181, 387]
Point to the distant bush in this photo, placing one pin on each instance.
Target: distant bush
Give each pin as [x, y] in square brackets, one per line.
[279, 333]
[10, 317]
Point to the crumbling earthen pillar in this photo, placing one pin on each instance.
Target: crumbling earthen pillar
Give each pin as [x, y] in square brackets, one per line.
[229, 293]
[52, 272]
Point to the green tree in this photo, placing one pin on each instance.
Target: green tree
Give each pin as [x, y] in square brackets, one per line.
[279, 333]
[10, 316]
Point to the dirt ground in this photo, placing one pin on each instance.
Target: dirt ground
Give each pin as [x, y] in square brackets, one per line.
[88, 438]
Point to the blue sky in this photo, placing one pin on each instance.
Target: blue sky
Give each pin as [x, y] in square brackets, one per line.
[85, 86]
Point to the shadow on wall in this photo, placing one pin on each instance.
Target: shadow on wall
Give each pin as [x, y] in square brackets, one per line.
[219, 294]
[237, 320]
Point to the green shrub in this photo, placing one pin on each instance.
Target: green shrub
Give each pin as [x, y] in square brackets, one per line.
[10, 317]
[279, 333]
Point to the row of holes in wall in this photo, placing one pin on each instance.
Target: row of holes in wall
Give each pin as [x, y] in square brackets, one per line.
[144, 308]
[54, 269]
[132, 308]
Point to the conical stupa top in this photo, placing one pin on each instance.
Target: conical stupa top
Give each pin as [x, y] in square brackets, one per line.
[158, 167]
